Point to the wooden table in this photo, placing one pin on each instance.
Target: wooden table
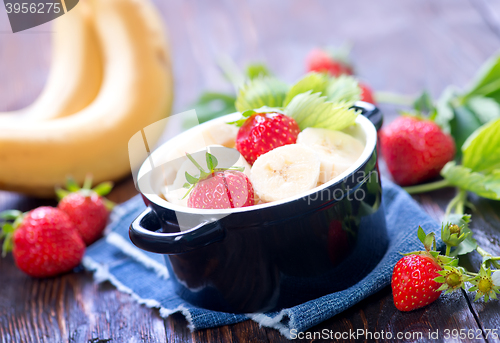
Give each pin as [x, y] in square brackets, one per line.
[398, 46]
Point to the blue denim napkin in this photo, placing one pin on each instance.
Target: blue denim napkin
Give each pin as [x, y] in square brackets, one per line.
[145, 277]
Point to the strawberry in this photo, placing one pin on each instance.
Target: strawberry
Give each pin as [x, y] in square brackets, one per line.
[86, 208]
[44, 242]
[366, 93]
[415, 149]
[219, 187]
[320, 61]
[227, 189]
[262, 132]
[413, 284]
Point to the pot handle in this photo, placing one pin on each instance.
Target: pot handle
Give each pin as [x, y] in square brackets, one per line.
[142, 235]
[371, 112]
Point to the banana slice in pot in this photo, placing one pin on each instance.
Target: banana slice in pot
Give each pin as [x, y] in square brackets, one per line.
[336, 150]
[285, 172]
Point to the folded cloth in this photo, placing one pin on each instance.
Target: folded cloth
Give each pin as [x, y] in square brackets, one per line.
[145, 277]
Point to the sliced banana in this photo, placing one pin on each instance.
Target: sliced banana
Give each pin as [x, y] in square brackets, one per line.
[226, 158]
[285, 172]
[336, 150]
[221, 133]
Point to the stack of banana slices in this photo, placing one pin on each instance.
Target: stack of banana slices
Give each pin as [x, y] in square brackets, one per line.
[319, 156]
[110, 77]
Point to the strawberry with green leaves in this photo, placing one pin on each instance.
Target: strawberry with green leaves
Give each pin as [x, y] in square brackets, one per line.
[218, 188]
[413, 278]
[87, 208]
[44, 241]
[262, 132]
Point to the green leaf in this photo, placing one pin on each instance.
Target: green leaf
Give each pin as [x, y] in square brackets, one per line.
[311, 110]
[212, 105]
[421, 234]
[255, 70]
[463, 124]
[444, 110]
[481, 151]
[61, 193]
[487, 80]
[211, 161]
[314, 82]
[71, 184]
[469, 244]
[10, 214]
[484, 185]
[87, 183]
[344, 88]
[103, 188]
[262, 91]
[191, 179]
[8, 228]
[187, 185]
[486, 109]
[424, 103]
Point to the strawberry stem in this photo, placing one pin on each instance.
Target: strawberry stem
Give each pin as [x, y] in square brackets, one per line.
[427, 187]
[448, 249]
[457, 204]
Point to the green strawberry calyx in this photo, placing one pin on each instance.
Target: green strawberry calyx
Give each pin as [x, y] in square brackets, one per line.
[11, 221]
[212, 163]
[86, 190]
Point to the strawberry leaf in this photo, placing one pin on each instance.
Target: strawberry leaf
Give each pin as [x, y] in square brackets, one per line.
[256, 70]
[421, 234]
[444, 111]
[312, 110]
[486, 109]
[484, 185]
[10, 214]
[187, 185]
[482, 148]
[315, 82]
[262, 91]
[87, 183]
[487, 80]
[191, 179]
[211, 105]
[104, 188]
[71, 185]
[344, 88]
[424, 103]
[211, 162]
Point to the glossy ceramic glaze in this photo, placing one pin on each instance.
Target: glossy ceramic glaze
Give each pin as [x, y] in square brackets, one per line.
[273, 255]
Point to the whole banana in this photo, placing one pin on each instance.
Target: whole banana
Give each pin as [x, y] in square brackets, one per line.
[136, 92]
[76, 69]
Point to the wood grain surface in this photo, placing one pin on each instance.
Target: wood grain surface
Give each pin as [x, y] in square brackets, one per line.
[400, 46]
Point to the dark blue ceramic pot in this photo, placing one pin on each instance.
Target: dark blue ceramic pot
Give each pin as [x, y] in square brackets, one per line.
[274, 255]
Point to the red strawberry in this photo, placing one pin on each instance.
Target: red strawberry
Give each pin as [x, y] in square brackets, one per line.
[413, 284]
[86, 208]
[218, 187]
[45, 242]
[225, 189]
[263, 132]
[366, 93]
[320, 61]
[415, 149]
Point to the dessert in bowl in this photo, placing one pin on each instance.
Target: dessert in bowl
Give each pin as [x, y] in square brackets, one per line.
[281, 250]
